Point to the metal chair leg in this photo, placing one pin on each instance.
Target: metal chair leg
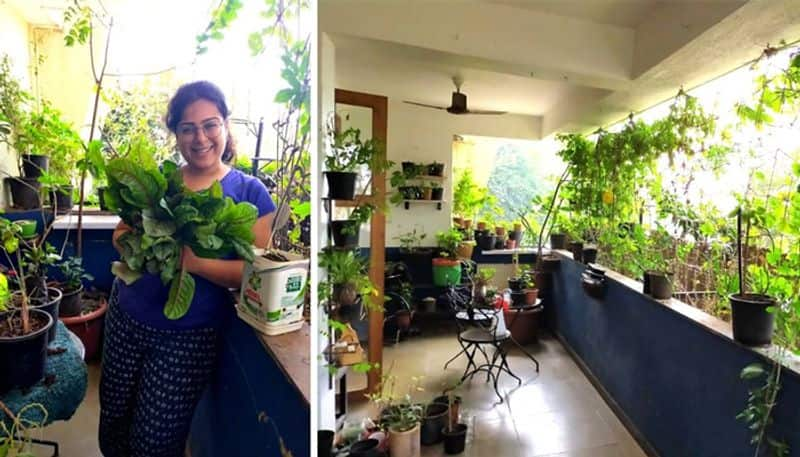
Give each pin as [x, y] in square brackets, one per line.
[521, 348]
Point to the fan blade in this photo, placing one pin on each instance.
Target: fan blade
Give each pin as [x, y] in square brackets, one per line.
[425, 105]
[479, 111]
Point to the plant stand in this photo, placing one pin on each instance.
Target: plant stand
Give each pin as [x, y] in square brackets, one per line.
[60, 396]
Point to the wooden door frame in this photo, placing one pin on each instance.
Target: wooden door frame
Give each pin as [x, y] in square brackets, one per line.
[377, 251]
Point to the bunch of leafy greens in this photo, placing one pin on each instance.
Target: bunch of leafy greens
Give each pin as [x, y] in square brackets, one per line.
[165, 216]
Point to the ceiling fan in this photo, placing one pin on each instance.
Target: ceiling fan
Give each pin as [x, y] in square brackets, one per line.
[458, 105]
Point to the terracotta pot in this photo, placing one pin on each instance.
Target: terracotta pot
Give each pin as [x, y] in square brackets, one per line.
[467, 224]
[531, 295]
[458, 221]
[427, 193]
[89, 328]
[404, 444]
[500, 231]
[511, 244]
[464, 250]
[481, 226]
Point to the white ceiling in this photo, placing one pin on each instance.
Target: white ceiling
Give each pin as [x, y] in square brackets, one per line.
[576, 63]
[623, 13]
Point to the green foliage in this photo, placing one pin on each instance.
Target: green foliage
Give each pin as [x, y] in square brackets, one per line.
[17, 441]
[778, 94]
[411, 241]
[73, 272]
[398, 412]
[448, 242]
[165, 217]
[345, 269]
[78, 22]
[469, 198]
[5, 293]
[221, 19]
[761, 400]
[347, 151]
[512, 182]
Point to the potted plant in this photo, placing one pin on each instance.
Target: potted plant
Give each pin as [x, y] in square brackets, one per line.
[347, 285]
[455, 434]
[434, 420]
[399, 416]
[435, 169]
[480, 284]
[23, 330]
[59, 191]
[529, 287]
[346, 153]
[72, 286]
[753, 318]
[437, 191]
[447, 267]
[400, 181]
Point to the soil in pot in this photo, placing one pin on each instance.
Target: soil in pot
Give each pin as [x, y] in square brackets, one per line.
[34, 165]
[50, 306]
[341, 239]
[341, 184]
[558, 241]
[455, 439]
[71, 303]
[25, 192]
[23, 356]
[752, 324]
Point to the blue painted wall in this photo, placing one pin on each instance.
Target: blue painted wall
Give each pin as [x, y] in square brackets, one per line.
[677, 381]
[247, 385]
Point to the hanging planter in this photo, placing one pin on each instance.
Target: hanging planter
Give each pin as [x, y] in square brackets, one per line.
[23, 357]
[341, 184]
[343, 234]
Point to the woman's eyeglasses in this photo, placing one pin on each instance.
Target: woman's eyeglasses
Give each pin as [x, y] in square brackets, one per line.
[211, 130]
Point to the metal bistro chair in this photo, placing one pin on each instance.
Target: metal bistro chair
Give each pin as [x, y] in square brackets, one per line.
[481, 327]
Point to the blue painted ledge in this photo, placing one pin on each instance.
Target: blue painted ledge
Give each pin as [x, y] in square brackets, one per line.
[670, 371]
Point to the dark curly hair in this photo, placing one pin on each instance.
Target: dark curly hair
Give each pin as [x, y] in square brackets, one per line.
[190, 93]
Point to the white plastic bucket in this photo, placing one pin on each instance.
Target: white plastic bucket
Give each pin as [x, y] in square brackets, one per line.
[272, 291]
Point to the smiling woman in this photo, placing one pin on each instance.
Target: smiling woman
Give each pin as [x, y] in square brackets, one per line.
[158, 362]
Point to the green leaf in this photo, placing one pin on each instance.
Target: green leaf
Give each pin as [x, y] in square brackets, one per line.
[124, 272]
[180, 296]
[283, 96]
[157, 227]
[752, 371]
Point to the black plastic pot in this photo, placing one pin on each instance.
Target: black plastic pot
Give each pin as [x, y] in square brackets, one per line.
[577, 250]
[432, 424]
[499, 243]
[25, 192]
[593, 286]
[550, 263]
[341, 239]
[34, 165]
[558, 241]
[71, 303]
[325, 443]
[752, 324]
[486, 241]
[436, 169]
[101, 194]
[437, 193]
[515, 235]
[408, 167]
[23, 358]
[418, 193]
[658, 285]
[341, 184]
[454, 440]
[366, 448]
[589, 255]
[50, 307]
[515, 284]
[61, 199]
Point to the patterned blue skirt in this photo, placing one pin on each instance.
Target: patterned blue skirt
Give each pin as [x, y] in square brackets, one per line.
[151, 382]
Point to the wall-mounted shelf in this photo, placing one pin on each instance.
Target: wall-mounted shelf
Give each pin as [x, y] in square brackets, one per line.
[426, 178]
[438, 203]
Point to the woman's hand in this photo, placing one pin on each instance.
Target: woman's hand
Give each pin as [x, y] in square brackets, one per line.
[121, 229]
[189, 260]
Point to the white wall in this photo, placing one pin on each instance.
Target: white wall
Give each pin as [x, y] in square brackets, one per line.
[326, 71]
[424, 135]
[14, 43]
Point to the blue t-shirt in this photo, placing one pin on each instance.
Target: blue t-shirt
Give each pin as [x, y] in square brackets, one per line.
[211, 306]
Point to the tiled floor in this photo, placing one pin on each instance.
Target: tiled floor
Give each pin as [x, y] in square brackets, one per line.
[556, 412]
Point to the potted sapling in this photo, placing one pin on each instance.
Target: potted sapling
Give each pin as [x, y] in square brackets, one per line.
[399, 416]
[347, 153]
[447, 266]
[72, 286]
[455, 434]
